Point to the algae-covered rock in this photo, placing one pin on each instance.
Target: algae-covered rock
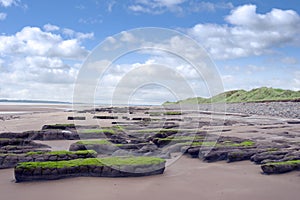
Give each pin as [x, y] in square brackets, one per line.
[281, 167]
[98, 167]
[11, 160]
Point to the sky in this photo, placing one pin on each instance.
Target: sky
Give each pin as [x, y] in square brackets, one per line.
[45, 44]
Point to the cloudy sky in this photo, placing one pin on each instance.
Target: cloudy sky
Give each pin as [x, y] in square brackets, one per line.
[43, 45]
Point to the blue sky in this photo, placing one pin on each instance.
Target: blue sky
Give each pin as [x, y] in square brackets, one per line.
[44, 43]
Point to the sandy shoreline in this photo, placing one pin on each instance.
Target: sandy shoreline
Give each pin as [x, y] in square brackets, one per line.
[185, 179]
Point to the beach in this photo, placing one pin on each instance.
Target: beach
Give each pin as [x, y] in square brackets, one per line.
[184, 179]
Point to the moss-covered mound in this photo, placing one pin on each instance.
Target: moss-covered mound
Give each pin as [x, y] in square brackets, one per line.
[98, 167]
[188, 140]
[89, 131]
[11, 160]
[172, 113]
[59, 126]
[230, 149]
[281, 167]
[15, 142]
[100, 146]
[58, 132]
[104, 146]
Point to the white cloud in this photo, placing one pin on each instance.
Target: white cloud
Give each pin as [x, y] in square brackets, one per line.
[139, 8]
[127, 37]
[110, 6]
[121, 81]
[296, 80]
[249, 33]
[160, 3]
[68, 32]
[7, 3]
[37, 64]
[166, 70]
[200, 6]
[289, 60]
[169, 3]
[2, 16]
[37, 78]
[50, 27]
[35, 42]
[91, 20]
[39, 70]
[157, 7]
[227, 78]
[247, 16]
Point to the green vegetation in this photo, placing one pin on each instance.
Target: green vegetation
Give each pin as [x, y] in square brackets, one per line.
[86, 131]
[272, 149]
[207, 144]
[155, 114]
[290, 162]
[118, 127]
[158, 130]
[181, 138]
[222, 144]
[242, 144]
[262, 94]
[108, 161]
[98, 142]
[8, 154]
[63, 152]
[4, 139]
[173, 113]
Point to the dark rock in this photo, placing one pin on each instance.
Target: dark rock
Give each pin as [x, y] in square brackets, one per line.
[293, 121]
[59, 126]
[76, 118]
[77, 147]
[105, 117]
[37, 171]
[273, 168]
[194, 152]
[9, 161]
[239, 155]
[258, 158]
[147, 148]
[214, 156]
[30, 174]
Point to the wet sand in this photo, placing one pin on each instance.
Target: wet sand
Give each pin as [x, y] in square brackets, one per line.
[186, 179]
[35, 116]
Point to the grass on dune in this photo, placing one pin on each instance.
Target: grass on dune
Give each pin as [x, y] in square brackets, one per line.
[262, 94]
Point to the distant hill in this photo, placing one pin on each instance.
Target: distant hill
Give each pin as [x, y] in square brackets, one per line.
[262, 94]
[32, 101]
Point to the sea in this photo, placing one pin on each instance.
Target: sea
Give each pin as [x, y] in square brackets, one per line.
[9, 108]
